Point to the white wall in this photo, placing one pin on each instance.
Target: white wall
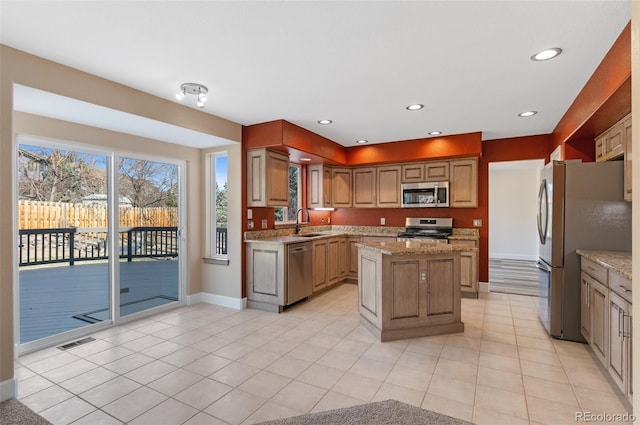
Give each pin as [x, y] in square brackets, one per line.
[513, 193]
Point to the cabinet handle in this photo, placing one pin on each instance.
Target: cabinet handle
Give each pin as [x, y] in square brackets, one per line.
[620, 323]
[624, 289]
[625, 334]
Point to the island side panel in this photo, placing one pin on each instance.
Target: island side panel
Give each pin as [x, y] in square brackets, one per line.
[369, 288]
[265, 276]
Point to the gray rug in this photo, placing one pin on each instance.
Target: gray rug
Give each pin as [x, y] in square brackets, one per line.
[380, 413]
[12, 412]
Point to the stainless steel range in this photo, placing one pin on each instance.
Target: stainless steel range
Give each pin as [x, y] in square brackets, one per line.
[427, 229]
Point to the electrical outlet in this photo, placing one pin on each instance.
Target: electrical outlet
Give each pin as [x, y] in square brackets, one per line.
[477, 222]
[264, 223]
[322, 221]
[328, 220]
[249, 214]
[383, 221]
[250, 224]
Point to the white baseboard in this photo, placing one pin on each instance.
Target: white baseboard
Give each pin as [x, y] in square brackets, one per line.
[221, 300]
[523, 257]
[194, 299]
[8, 390]
[483, 286]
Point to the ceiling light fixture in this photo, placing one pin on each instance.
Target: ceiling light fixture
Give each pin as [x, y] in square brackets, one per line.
[324, 122]
[195, 89]
[546, 54]
[305, 159]
[362, 141]
[435, 133]
[527, 114]
[415, 107]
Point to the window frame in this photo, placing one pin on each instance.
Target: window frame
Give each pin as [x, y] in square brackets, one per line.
[285, 210]
[211, 207]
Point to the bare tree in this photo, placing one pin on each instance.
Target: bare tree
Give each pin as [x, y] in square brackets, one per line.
[148, 183]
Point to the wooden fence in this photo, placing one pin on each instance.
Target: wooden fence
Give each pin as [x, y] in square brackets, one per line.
[52, 215]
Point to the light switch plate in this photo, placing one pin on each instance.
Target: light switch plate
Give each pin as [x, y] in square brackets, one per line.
[477, 222]
[249, 214]
[383, 221]
[250, 224]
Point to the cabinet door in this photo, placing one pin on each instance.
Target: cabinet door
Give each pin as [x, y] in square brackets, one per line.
[352, 253]
[267, 178]
[436, 171]
[364, 187]
[265, 271]
[440, 282]
[342, 258]
[617, 341]
[319, 186]
[413, 173]
[319, 265]
[464, 183]
[600, 143]
[585, 310]
[613, 143]
[341, 187]
[599, 301]
[333, 261]
[388, 186]
[628, 159]
[468, 271]
[404, 298]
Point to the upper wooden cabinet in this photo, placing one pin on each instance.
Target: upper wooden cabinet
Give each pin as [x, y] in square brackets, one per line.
[626, 137]
[463, 184]
[268, 178]
[341, 187]
[431, 171]
[388, 193]
[319, 186]
[364, 187]
[610, 144]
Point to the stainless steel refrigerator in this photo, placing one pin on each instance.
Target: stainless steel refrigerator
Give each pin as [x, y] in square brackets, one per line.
[580, 206]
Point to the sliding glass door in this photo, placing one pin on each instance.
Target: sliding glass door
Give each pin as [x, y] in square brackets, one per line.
[63, 234]
[98, 239]
[148, 234]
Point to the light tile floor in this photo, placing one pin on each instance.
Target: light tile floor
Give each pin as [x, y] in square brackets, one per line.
[205, 364]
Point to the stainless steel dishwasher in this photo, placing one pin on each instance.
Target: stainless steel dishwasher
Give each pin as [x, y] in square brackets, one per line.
[299, 278]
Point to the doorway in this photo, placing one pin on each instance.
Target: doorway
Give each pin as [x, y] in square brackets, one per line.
[99, 239]
[513, 243]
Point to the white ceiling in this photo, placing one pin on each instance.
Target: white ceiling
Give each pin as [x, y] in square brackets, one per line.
[358, 63]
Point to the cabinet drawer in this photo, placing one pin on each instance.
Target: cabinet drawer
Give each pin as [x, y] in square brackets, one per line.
[595, 270]
[458, 242]
[620, 285]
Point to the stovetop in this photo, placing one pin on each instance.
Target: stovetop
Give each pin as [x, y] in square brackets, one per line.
[427, 228]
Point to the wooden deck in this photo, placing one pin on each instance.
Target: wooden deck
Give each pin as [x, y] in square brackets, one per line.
[50, 297]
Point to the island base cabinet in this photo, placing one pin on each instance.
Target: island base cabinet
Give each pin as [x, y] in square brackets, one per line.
[409, 296]
[619, 341]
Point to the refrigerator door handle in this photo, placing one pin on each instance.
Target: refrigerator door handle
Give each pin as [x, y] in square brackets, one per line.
[543, 211]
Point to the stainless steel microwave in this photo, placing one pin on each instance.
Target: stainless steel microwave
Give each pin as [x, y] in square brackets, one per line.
[427, 194]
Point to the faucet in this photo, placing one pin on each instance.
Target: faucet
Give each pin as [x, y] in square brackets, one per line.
[297, 222]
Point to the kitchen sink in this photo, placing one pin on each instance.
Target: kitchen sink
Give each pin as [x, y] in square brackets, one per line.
[310, 235]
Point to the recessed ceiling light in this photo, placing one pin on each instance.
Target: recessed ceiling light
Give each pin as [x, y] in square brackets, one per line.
[324, 122]
[527, 114]
[546, 54]
[435, 133]
[415, 107]
[362, 141]
[305, 159]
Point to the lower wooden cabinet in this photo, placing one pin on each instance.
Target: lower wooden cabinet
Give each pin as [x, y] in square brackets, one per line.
[469, 274]
[265, 275]
[320, 278]
[620, 341]
[352, 260]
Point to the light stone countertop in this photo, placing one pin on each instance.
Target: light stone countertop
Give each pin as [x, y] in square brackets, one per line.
[287, 235]
[618, 261]
[463, 234]
[411, 248]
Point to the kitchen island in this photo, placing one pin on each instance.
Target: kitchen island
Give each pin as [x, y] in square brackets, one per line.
[409, 289]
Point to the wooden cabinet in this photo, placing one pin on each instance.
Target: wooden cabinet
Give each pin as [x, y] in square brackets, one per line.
[610, 144]
[469, 268]
[598, 302]
[364, 187]
[619, 341]
[319, 186]
[463, 185]
[267, 179]
[585, 311]
[320, 259]
[341, 187]
[352, 254]
[265, 275]
[334, 255]
[408, 296]
[388, 193]
[628, 159]
[431, 171]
